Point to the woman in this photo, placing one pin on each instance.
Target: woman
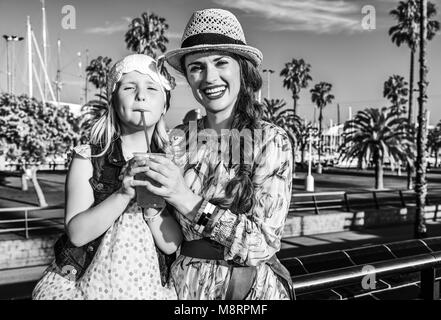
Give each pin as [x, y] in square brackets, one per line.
[231, 201]
[111, 249]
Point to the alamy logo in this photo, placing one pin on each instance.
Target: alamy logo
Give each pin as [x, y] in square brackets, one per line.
[69, 20]
[232, 145]
[369, 20]
[69, 272]
[369, 280]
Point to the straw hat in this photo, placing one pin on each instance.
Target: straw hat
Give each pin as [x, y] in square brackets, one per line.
[213, 29]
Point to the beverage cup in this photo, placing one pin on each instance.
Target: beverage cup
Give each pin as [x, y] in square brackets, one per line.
[144, 197]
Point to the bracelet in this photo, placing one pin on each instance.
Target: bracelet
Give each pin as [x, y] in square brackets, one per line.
[153, 217]
[205, 217]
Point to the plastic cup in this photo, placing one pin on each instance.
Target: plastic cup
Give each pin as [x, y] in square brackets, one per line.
[144, 197]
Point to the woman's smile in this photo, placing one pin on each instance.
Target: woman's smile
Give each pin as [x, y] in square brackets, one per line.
[214, 92]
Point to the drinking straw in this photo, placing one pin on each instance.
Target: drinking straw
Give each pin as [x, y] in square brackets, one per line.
[145, 131]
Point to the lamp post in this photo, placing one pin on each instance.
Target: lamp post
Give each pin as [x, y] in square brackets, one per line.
[10, 71]
[309, 181]
[269, 72]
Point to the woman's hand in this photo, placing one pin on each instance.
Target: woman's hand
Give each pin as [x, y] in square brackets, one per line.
[127, 176]
[172, 187]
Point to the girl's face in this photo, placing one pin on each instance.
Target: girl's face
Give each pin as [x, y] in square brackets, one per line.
[214, 79]
[137, 92]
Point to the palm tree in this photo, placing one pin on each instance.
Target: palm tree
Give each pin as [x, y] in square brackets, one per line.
[146, 35]
[90, 113]
[98, 71]
[376, 135]
[406, 31]
[320, 95]
[434, 141]
[296, 77]
[275, 111]
[305, 129]
[420, 228]
[395, 89]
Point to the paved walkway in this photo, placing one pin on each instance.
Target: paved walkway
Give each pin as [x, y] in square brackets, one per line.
[304, 245]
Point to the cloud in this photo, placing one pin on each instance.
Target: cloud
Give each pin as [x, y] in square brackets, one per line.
[318, 16]
[72, 82]
[173, 35]
[111, 28]
[122, 26]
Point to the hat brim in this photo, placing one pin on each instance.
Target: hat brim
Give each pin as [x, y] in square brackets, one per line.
[173, 57]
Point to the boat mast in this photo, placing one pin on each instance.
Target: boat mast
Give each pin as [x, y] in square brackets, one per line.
[58, 79]
[43, 11]
[29, 35]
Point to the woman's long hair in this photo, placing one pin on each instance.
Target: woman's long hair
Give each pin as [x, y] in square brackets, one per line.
[107, 128]
[239, 191]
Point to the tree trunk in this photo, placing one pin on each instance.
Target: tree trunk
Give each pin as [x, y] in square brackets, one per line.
[295, 106]
[420, 228]
[294, 146]
[320, 135]
[411, 76]
[303, 154]
[40, 195]
[2, 160]
[24, 181]
[411, 169]
[338, 114]
[378, 173]
[436, 158]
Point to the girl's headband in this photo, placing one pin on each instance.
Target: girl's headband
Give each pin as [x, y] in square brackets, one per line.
[135, 62]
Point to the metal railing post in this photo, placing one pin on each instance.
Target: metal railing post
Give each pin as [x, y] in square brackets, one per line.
[315, 204]
[26, 224]
[403, 203]
[430, 288]
[347, 202]
[375, 200]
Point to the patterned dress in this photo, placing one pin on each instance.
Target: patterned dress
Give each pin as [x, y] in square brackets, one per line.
[250, 238]
[125, 265]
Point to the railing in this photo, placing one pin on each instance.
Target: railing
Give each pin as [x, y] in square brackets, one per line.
[341, 273]
[17, 167]
[26, 217]
[426, 264]
[353, 200]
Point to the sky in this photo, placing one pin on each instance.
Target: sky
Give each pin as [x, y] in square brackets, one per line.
[327, 34]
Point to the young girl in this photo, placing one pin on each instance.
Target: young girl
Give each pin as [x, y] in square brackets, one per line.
[111, 246]
[232, 211]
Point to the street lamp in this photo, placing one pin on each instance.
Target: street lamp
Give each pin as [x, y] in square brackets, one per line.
[269, 72]
[10, 73]
[309, 181]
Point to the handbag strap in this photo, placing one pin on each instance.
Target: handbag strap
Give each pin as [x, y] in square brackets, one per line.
[241, 282]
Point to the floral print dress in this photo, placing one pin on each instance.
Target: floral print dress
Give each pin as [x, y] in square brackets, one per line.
[250, 238]
[124, 267]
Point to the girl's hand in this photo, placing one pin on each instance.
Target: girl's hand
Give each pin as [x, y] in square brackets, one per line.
[127, 176]
[172, 188]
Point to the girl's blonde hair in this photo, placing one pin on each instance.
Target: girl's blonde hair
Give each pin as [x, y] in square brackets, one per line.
[107, 129]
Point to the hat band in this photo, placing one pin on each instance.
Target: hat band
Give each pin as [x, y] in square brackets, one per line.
[209, 38]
